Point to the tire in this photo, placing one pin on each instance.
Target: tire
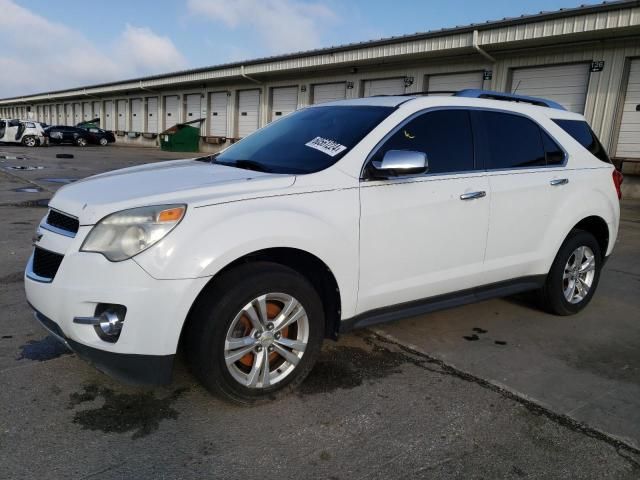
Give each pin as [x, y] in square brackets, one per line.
[30, 141]
[81, 142]
[563, 274]
[220, 315]
[103, 142]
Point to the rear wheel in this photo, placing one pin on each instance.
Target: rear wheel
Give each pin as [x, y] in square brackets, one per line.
[574, 274]
[81, 142]
[103, 141]
[29, 141]
[255, 333]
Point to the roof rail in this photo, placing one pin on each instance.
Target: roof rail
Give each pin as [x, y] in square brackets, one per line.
[508, 97]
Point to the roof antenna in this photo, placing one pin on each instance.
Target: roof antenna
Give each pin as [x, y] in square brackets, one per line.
[517, 86]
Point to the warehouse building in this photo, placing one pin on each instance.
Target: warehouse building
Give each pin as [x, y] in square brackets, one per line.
[586, 58]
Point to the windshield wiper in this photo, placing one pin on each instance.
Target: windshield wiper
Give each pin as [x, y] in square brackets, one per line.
[246, 165]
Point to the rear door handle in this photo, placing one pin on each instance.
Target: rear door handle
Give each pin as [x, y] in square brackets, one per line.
[473, 195]
[559, 181]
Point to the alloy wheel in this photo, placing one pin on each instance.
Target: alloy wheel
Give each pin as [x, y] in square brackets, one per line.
[266, 340]
[579, 273]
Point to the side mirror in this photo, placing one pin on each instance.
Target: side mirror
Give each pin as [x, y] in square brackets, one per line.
[396, 163]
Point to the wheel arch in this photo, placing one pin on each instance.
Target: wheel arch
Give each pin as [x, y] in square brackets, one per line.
[598, 227]
[306, 264]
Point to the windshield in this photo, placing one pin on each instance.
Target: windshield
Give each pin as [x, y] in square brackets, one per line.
[305, 141]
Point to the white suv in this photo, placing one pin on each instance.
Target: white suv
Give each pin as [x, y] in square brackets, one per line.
[337, 216]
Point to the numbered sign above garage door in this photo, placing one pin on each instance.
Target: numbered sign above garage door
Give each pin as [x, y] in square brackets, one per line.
[152, 114]
[171, 111]
[329, 92]
[121, 107]
[109, 118]
[565, 84]
[629, 136]
[454, 81]
[284, 101]
[387, 86]
[248, 112]
[218, 102]
[137, 116]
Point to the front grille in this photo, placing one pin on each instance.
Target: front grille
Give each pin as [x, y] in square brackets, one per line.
[46, 263]
[63, 221]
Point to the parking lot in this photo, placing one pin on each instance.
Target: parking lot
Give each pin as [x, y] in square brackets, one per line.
[493, 390]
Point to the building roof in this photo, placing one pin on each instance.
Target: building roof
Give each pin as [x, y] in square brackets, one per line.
[236, 69]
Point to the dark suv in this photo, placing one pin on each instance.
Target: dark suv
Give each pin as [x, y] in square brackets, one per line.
[60, 134]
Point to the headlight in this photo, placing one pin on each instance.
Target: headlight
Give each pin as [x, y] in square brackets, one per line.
[122, 235]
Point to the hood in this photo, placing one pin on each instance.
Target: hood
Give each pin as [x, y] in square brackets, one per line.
[180, 181]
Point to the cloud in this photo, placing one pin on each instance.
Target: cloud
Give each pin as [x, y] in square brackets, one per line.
[283, 25]
[39, 55]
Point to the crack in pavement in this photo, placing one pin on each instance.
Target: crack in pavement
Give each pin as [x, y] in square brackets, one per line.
[623, 449]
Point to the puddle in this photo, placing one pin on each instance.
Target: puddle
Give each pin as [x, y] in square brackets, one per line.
[471, 338]
[28, 190]
[42, 350]
[7, 336]
[41, 202]
[479, 330]
[64, 155]
[24, 167]
[58, 180]
[12, 157]
[500, 342]
[140, 413]
[349, 367]
[14, 277]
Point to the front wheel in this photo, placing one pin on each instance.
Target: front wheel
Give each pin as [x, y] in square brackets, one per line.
[103, 142]
[574, 274]
[255, 332]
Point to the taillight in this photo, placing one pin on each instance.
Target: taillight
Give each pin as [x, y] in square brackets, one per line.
[617, 181]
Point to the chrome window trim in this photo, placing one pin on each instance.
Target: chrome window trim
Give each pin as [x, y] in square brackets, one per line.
[485, 170]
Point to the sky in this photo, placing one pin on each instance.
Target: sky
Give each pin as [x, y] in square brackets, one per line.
[48, 45]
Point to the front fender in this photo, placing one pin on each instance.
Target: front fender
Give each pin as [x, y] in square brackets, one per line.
[324, 224]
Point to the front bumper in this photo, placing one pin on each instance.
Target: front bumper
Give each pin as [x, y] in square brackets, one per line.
[128, 368]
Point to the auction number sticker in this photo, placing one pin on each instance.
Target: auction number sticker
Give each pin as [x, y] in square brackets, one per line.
[327, 146]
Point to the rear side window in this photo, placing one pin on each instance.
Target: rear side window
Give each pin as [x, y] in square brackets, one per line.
[582, 133]
[510, 141]
[444, 135]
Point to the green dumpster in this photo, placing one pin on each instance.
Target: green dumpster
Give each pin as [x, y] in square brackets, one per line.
[93, 123]
[182, 137]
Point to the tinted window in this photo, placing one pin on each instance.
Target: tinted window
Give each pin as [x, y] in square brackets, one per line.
[305, 141]
[512, 141]
[444, 135]
[554, 154]
[582, 133]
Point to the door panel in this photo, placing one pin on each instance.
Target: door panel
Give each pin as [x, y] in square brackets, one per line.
[285, 100]
[218, 109]
[152, 114]
[419, 239]
[248, 112]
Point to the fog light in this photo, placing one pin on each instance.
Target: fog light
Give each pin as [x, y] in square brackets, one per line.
[107, 321]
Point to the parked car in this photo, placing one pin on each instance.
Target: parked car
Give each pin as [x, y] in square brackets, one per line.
[337, 216]
[80, 136]
[27, 133]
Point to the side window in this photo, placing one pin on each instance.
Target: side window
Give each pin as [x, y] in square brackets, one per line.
[554, 154]
[512, 141]
[582, 133]
[444, 135]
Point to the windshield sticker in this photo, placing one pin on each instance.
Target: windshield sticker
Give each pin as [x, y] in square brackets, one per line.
[327, 146]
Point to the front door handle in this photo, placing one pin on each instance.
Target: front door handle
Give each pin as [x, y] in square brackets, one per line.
[473, 195]
[559, 181]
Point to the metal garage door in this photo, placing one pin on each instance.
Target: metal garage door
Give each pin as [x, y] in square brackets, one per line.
[95, 112]
[565, 84]
[122, 115]
[137, 117]
[218, 108]
[86, 111]
[109, 120]
[388, 86]
[171, 111]
[152, 114]
[454, 81]
[77, 113]
[47, 114]
[284, 101]
[193, 107]
[629, 136]
[329, 92]
[248, 112]
[68, 111]
[39, 116]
